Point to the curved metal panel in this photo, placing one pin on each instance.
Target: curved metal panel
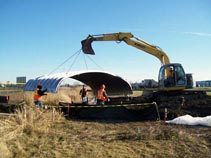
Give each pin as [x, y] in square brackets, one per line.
[114, 84]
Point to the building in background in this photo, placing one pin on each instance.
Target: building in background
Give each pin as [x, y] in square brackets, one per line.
[21, 80]
[205, 83]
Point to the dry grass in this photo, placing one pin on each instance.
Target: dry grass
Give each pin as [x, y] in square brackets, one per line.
[137, 93]
[27, 120]
[25, 123]
[65, 94]
[45, 133]
[16, 95]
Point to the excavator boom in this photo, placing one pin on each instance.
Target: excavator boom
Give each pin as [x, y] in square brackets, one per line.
[176, 82]
[128, 38]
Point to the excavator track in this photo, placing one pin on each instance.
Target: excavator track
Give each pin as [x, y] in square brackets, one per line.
[195, 102]
[186, 98]
[190, 101]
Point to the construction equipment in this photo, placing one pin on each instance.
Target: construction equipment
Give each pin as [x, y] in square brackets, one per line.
[170, 91]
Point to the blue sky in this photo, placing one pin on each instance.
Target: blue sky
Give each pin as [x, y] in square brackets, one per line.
[36, 36]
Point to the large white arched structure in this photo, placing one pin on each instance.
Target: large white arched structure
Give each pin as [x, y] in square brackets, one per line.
[114, 84]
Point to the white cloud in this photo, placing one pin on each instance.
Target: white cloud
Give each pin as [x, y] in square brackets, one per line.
[198, 34]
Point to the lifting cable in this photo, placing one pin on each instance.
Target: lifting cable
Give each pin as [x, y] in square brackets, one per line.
[95, 63]
[74, 61]
[65, 61]
[76, 54]
[85, 61]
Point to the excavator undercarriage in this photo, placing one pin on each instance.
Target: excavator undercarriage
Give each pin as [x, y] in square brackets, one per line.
[196, 102]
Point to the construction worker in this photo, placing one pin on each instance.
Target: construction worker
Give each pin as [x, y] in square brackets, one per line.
[170, 78]
[83, 93]
[102, 96]
[38, 93]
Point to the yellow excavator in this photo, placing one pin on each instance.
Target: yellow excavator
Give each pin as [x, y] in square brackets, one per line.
[178, 80]
[173, 82]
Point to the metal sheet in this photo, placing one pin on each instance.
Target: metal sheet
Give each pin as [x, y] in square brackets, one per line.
[114, 84]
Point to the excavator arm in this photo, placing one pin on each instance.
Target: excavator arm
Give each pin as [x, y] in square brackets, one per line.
[178, 80]
[128, 38]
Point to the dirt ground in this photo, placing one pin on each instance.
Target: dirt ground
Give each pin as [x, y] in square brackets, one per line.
[79, 138]
[120, 132]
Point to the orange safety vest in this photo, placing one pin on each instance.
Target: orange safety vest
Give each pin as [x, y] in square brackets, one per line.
[100, 95]
[36, 95]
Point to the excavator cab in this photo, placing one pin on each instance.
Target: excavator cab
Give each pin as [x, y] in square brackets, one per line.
[172, 76]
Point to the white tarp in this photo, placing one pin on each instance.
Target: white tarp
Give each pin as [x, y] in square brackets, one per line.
[189, 120]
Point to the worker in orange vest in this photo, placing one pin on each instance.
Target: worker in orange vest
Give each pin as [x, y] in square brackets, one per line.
[38, 93]
[102, 96]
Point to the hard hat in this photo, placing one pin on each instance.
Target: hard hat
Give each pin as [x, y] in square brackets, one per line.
[102, 86]
[171, 69]
[39, 85]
